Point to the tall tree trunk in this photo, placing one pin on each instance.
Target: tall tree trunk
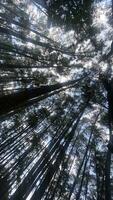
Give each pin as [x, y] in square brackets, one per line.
[44, 163]
[107, 176]
[100, 174]
[112, 10]
[109, 88]
[13, 101]
[40, 192]
[83, 176]
[108, 158]
[84, 157]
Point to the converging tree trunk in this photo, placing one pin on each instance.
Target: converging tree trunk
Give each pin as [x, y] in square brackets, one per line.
[13, 101]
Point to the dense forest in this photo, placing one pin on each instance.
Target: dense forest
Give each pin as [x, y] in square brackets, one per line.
[56, 100]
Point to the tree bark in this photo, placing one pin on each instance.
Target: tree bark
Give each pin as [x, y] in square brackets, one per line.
[13, 101]
[107, 176]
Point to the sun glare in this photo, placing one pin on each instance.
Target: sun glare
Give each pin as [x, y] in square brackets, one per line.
[100, 16]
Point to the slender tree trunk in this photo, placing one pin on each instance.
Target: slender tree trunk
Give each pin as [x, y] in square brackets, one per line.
[109, 88]
[108, 157]
[83, 176]
[61, 174]
[86, 187]
[26, 39]
[40, 192]
[107, 176]
[112, 10]
[84, 157]
[20, 66]
[100, 175]
[13, 101]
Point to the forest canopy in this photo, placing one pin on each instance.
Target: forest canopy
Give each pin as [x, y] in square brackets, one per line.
[56, 100]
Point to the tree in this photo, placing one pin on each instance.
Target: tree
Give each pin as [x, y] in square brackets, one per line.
[56, 112]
